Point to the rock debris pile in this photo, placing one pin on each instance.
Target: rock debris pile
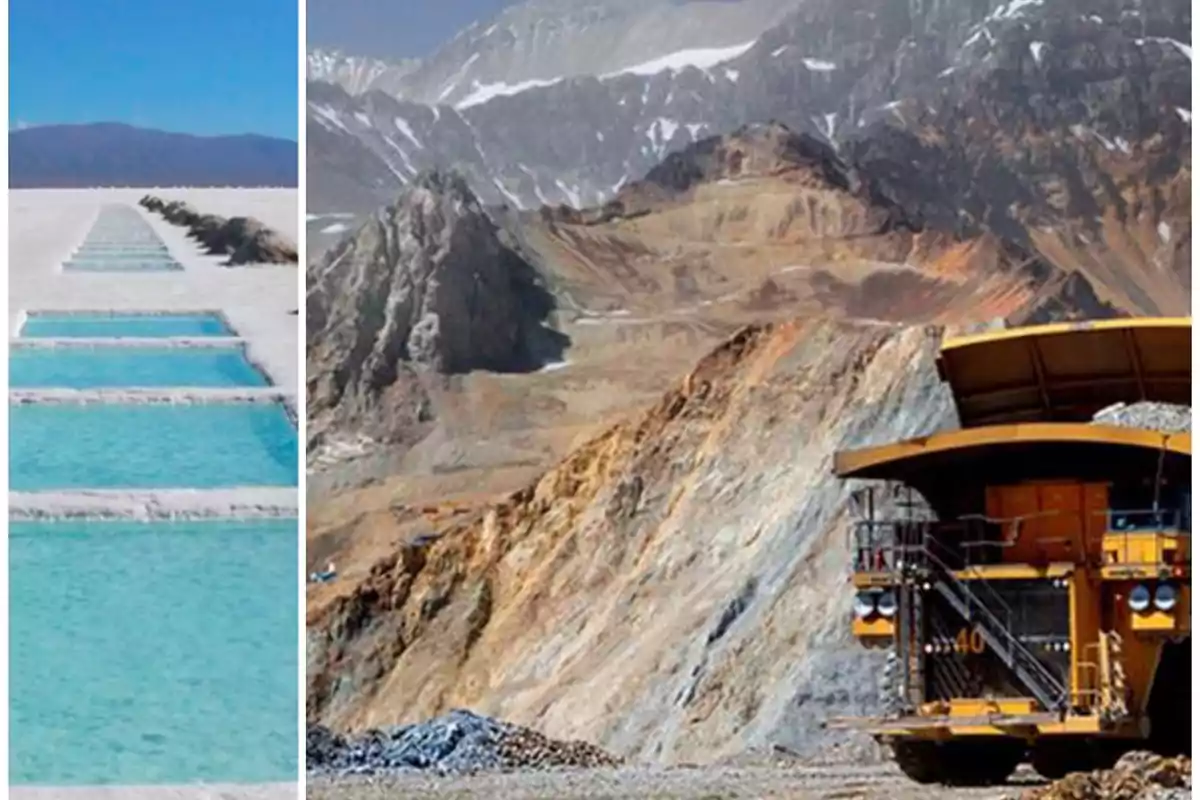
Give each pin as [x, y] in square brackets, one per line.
[1151, 416]
[245, 240]
[1138, 775]
[458, 742]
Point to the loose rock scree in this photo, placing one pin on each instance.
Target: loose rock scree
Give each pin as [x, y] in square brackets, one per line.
[455, 743]
[1135, 775]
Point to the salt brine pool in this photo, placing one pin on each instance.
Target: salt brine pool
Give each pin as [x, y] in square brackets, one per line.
[150, 446]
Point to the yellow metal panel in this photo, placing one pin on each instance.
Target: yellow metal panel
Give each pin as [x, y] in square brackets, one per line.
[1084, 610]
[1071, 726]
[1011, 572]
[1067, 371]
[864, 580]
[874, 627]
[974, 707]
[1032, 331]
[1142, 547]
[1155, 621]
[1138, 656]
[875, 461]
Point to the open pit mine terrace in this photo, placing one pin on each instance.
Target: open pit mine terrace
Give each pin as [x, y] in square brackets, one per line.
[153, 513]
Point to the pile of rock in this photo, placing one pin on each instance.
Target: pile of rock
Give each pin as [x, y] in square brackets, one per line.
[456, 743]
[1140, 775]
[1151, 416]
[244, 239]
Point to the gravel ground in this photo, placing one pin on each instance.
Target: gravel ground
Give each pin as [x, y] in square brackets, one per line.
[680, 783]
[458, 742]
[463, 754]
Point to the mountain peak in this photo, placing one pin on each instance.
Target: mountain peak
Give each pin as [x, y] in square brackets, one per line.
[428, 286]
[753, 150]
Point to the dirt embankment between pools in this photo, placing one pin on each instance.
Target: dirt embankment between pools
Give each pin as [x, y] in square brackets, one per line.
[245, 240]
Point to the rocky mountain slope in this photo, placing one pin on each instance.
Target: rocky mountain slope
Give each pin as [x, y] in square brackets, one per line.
[358, 74]
[538, 42]
[424, 289]
[672, 590]
[708, 524]
[758, 225]
[1111, 74]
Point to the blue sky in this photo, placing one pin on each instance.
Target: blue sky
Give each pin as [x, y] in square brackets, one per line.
[393, 28]
[211, 67]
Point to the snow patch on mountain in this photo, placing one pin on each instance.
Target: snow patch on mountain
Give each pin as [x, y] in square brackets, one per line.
[818, 65]
[702, 58]
[452, 84]
[483, 92]
[1014, 9]
[406, 129]
[328, 117]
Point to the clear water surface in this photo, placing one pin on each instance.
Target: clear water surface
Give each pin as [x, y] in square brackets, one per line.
[87, 367]
[152, 653]
[124, 254]
[104, 325]
[150, 446]
[95, 264]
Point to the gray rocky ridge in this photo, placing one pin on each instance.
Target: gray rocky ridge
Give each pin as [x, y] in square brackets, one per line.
[428, 287]
[1100, 74]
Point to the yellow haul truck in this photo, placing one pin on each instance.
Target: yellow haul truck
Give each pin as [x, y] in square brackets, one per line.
[1031, 572]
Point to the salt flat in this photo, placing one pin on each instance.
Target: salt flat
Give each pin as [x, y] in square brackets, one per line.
[46, 225]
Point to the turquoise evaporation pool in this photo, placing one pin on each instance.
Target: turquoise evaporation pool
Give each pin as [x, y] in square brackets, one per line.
[119, 366]
[122, 253]
[132, 325]
[73, 446]
[104, 264]
[123, 242]
[153, 652]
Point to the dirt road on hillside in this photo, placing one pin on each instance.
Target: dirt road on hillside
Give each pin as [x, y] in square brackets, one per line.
[680, 783]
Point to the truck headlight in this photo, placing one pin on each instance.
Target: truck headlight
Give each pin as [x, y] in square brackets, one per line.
[1165, 597]
[1139, 597]
[864, 605]
[886, 604]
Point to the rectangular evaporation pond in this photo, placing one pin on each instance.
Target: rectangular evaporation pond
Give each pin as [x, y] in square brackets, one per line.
[121, 258]
[107, 265]
[101, 325]
[136, 253]
[109, 367]
[153, 652]
[97, 252]
[120, 244]
[75, 446]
